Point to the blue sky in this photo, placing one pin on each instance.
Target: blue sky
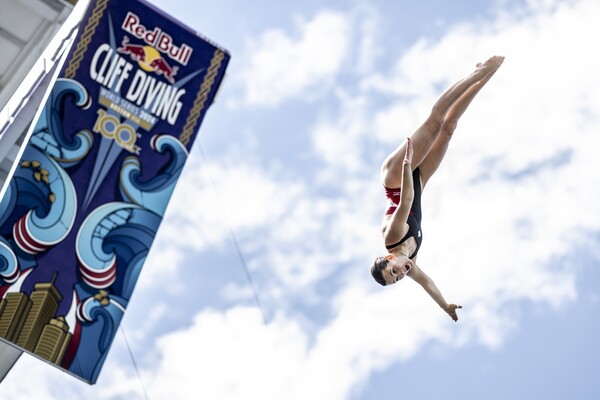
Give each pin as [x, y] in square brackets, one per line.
[317, 94]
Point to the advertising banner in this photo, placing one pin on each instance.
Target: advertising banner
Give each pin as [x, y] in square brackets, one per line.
[82, 209]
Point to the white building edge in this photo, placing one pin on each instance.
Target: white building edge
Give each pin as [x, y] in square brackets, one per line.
[32, 36]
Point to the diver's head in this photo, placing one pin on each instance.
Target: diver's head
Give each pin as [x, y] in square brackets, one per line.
[389, 269]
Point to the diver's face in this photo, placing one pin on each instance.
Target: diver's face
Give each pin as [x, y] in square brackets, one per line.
[397, 268]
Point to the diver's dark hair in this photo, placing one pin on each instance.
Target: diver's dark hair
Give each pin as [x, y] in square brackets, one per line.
[376, 270]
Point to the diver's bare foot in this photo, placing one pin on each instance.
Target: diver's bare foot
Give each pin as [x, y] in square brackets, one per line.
[492, 64]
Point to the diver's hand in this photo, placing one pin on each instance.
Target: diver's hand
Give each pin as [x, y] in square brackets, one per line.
[451, 310]
[408, 155]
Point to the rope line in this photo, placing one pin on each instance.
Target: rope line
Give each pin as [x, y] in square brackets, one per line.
[257, 299]
[135, 366]
[244, 264]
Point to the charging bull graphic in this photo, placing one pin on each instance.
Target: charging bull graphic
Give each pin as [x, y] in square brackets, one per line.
[149, 59]
[81, 212]
[136, 51]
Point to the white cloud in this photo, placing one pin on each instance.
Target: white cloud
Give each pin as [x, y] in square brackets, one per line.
[499, 241]
[492, 243]
[232, 354]
[227, 355]
[339, 142]
[117, 381]
[370, 34]
[282, 66]
[476, 248]
[236, 192]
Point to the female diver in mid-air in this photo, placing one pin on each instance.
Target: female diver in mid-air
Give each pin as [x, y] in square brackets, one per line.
[405, 173]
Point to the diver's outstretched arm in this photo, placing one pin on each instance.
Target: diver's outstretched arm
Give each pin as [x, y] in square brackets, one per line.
[429, 285]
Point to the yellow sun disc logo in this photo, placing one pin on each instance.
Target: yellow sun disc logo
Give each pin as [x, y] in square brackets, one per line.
[150, 54]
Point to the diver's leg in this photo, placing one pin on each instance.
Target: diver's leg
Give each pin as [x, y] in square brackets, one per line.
[424, 137]
[435, 156]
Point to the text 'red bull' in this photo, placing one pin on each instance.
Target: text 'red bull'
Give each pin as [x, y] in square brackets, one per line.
[156, 38]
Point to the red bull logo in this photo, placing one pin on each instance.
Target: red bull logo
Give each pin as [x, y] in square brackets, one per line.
[149, 59]
[158, 39]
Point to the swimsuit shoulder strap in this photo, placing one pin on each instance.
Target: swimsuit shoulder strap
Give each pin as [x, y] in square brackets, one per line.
[404, 239]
